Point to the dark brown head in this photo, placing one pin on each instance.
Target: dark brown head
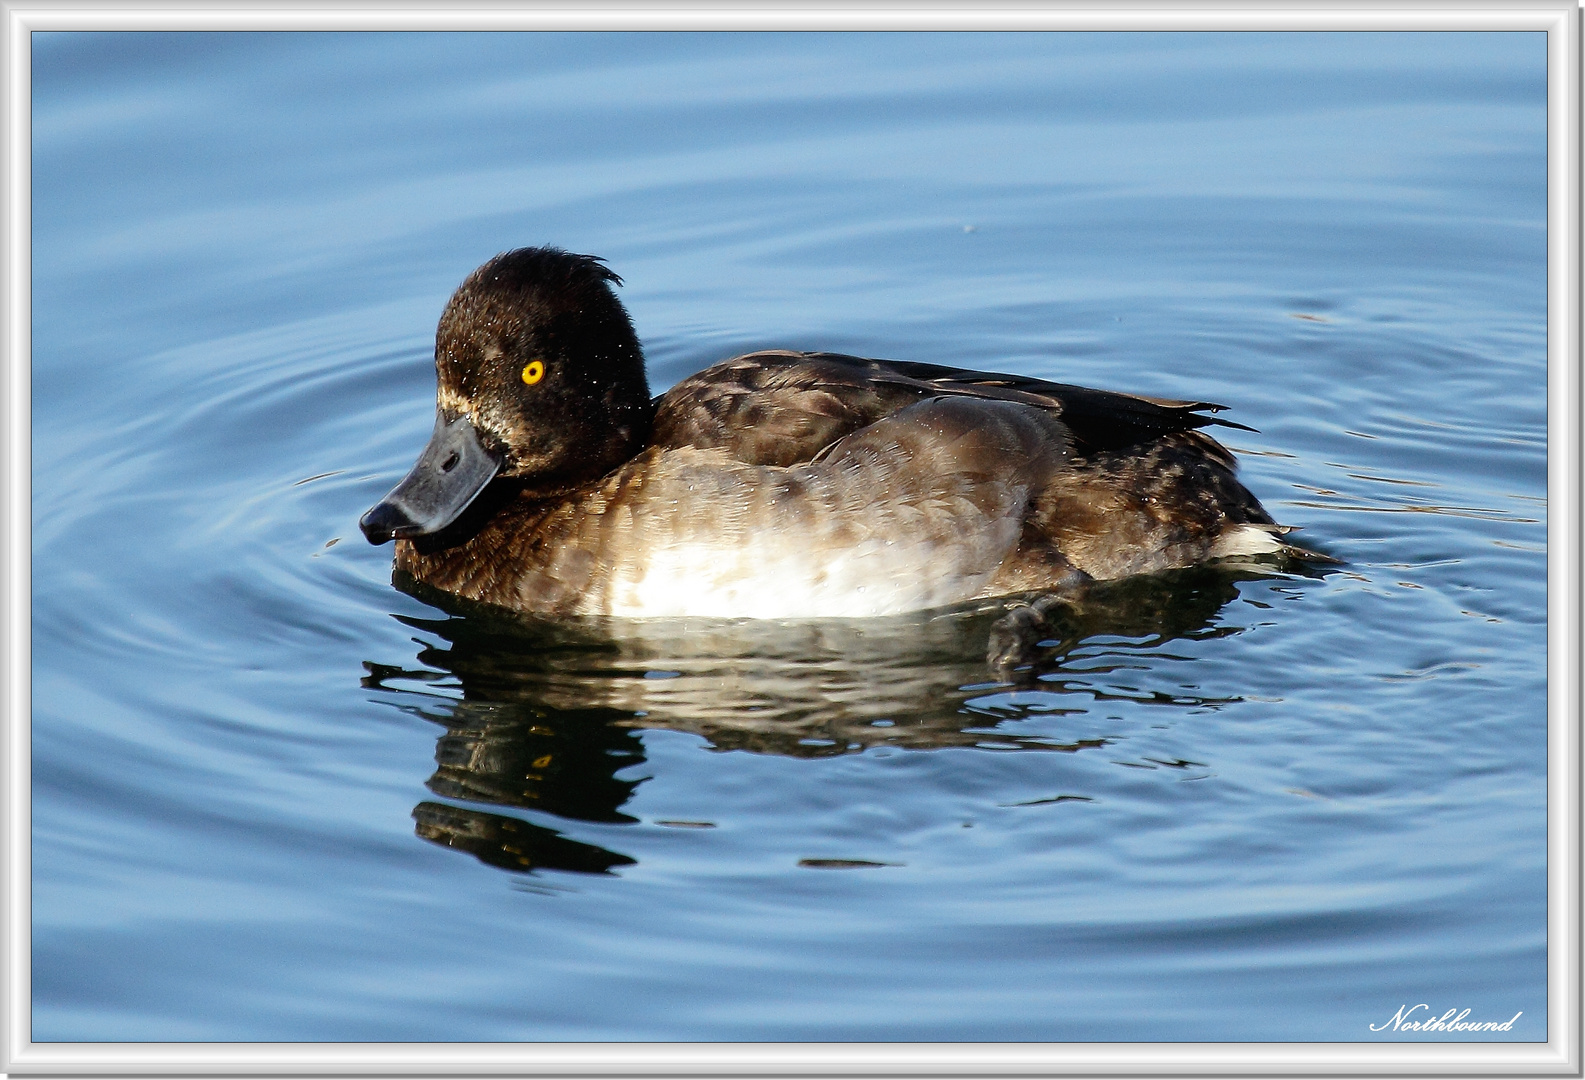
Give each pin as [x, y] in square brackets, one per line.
[540, 379]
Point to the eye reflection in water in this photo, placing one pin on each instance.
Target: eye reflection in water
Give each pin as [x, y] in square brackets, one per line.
[550, 712]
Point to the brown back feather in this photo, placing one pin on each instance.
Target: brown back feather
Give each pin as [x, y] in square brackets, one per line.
[783, 408]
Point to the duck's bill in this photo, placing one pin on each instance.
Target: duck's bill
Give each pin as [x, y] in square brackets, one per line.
[450, 473]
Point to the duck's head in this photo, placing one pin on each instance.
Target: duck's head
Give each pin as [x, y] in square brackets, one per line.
[540, 379]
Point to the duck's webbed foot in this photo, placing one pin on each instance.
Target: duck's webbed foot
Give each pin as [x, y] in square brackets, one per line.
[1028, 630]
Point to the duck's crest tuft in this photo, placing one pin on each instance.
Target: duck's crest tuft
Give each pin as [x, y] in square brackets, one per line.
[545, 266]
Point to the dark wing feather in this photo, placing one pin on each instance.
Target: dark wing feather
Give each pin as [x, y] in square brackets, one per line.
[777, 408]
[783, 408]
[1099, 419]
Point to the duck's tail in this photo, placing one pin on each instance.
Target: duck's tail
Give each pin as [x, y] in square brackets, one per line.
[1264, 538]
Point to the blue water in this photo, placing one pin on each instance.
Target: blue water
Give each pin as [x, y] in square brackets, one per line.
[276, 798]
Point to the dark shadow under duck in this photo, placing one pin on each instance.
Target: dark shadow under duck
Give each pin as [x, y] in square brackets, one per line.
[780, 484]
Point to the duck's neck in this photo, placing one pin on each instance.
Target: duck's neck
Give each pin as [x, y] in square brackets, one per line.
[620, 416]
[632, 427]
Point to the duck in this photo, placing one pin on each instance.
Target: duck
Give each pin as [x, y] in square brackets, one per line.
[780, 483]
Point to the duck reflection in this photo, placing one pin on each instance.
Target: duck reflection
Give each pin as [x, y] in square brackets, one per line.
[550, 711]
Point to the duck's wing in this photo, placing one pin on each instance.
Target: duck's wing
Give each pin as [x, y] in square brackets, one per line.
[783, 408]
[779, 408]
[1098, 419]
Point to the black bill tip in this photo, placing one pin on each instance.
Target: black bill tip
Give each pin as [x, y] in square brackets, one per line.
[385, 522]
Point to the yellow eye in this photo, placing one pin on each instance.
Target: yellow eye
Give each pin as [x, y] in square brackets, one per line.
[534, 372]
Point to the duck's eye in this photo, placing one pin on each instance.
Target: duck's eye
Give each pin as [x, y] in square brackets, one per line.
[534, 372]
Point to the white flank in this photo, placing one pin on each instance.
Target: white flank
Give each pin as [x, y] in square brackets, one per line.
[785, 577]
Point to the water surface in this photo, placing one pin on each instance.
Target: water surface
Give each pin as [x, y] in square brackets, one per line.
[276, 797]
